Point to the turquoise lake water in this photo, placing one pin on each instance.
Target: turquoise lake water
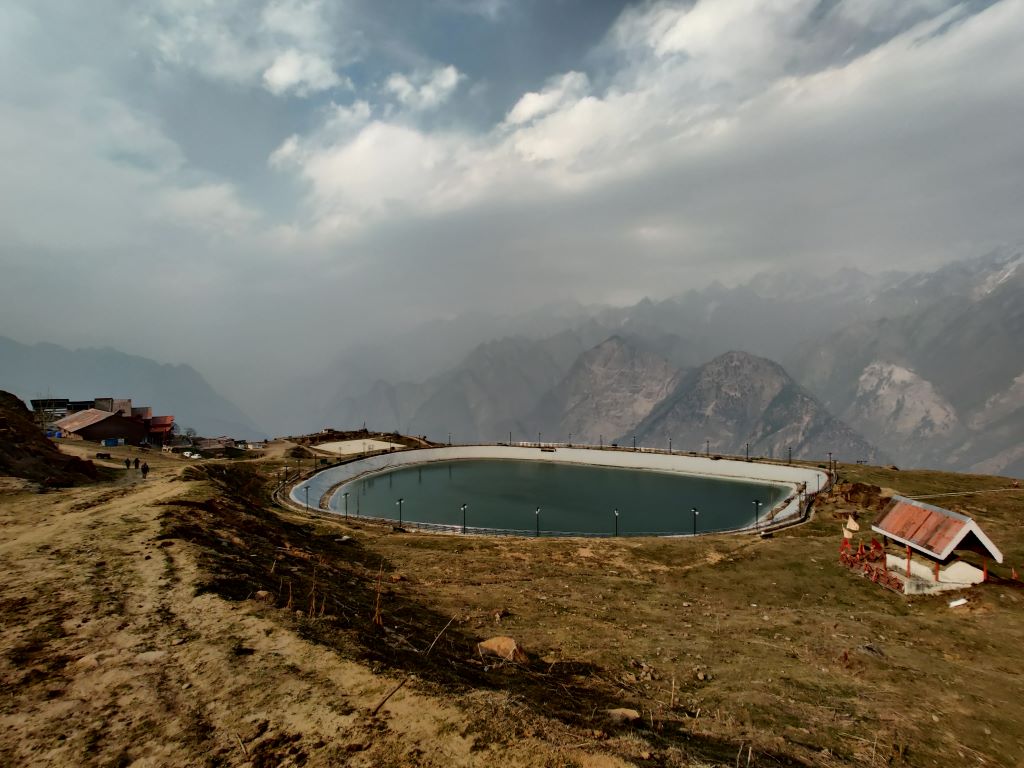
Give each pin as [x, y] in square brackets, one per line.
[572, 498]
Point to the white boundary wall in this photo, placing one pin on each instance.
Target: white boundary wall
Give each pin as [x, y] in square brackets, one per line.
[779, 474]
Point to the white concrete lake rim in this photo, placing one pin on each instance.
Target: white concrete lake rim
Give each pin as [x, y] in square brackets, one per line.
[330, 484]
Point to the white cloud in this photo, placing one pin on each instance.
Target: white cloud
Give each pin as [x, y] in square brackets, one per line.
[699, 88]
[213, 207]
[557, 92]
[287, 46]
[423, 91]
[302, 73]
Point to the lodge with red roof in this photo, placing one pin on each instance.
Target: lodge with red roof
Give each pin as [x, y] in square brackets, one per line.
[106, 418]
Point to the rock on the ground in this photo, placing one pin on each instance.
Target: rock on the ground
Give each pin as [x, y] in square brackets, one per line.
[504, 648]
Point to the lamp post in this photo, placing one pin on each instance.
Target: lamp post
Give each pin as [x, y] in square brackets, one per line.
[757, 513]
[537, 515]
[464, 518]
[748, 451]
[634, 442]
[345, 494]
[707, 447]
[399, 503]
[790, 449]
[570, 439]
[601, 440]
[510, 437]
[538, 439]
[616, 522]
[695, 513]
[307, 497]
[670, 445]
[830, 461]
[449, 438]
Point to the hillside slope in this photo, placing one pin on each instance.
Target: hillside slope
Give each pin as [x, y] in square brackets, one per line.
[26, 453]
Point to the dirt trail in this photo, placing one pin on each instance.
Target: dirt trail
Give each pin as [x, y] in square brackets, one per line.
[110, 658]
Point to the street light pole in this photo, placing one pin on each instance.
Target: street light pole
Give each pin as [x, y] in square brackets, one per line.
[707, 447]
[634, 442]
[616, 522]
[670, 445]
[748, 451]
[345, 494]
[449, 438]
[537, 514]
[757, 515]
[695, 513]
[399, 502]
[307, 498]
[463, 518]
[790, 449]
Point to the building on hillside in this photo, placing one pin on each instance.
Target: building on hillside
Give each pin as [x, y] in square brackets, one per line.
[937, 534]
[126, 426]
[55, 407]
[98, 425]
[215, 443]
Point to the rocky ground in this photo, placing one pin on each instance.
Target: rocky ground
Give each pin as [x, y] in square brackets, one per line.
[186, 620]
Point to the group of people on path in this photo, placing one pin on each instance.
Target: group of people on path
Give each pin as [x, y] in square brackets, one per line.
[144, 468]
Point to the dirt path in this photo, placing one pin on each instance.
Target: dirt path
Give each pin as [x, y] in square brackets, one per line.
[110, 658]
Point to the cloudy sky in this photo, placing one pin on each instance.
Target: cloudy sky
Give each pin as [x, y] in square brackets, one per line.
[202, 180]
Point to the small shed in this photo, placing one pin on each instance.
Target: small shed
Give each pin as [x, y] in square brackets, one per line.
[933, 531]
[937, 534]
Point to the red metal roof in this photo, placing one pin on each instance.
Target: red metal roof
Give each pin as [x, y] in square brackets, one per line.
[929, 529]
[162, 420]
[83, 419]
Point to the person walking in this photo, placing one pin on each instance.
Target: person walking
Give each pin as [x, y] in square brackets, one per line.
[145, 470]
[127, 464]
[136, 462]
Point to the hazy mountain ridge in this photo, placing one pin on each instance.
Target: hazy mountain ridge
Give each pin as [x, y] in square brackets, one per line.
[941, 384]
[48, 370]
[925, 366]
[739, 398]
[609, 389]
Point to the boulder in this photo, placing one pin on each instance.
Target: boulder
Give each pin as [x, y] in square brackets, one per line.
[622, 715]
[504, 648]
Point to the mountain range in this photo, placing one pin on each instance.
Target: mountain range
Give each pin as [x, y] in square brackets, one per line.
[924, 369]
